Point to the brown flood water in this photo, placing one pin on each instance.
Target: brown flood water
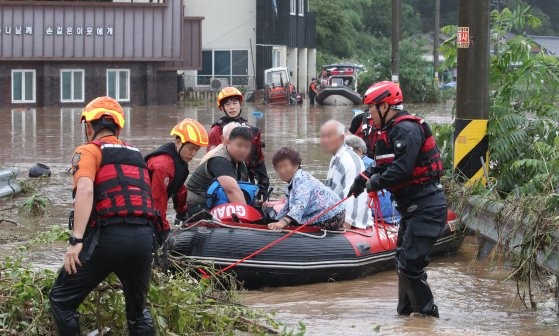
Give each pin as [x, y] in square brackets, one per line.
[472, 300]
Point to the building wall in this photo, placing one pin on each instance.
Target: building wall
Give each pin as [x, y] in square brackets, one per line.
[147, 85]
[227, 24]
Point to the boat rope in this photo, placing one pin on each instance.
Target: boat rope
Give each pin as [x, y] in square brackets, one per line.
[220, 223]
[374, 204]
[282, 238]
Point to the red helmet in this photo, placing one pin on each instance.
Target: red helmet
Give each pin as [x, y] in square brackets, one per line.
[384, 92]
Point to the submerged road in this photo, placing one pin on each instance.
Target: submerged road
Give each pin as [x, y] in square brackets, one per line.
[472, 298]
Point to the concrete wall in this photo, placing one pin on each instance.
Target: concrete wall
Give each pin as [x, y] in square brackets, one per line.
[311, 63]
[227, 24]
[303, 80]
[292, 59]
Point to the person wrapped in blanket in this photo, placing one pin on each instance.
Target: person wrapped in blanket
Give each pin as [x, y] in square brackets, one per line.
[306, 196]
[387, 206]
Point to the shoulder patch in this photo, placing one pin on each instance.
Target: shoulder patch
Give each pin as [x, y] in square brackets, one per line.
[76, 158]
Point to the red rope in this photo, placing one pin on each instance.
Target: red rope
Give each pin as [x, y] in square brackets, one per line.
[374, 204]
[280, 239]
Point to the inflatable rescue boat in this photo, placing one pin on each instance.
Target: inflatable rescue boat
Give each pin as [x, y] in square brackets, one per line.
[309, 256]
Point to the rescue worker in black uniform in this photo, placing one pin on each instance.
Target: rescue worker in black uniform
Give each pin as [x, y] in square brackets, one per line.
[408, 164]
[112, 223]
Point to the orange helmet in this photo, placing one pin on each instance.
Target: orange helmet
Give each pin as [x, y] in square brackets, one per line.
[104, 107]
[227, 93]
[190, 130]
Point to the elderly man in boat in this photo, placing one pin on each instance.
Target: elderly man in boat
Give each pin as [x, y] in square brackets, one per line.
[306, 197]
[344, 166]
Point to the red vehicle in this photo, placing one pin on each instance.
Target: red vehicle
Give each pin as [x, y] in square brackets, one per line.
[279, 89]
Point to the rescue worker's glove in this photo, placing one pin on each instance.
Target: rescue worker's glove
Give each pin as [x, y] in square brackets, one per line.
[180, 218]
[358, 185]
[373, 184]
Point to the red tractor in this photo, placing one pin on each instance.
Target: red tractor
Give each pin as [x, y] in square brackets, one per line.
[279, 90]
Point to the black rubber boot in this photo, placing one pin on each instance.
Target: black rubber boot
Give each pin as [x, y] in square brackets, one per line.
[420, 295]
[404, 305]
[142, 326]
[67, 323]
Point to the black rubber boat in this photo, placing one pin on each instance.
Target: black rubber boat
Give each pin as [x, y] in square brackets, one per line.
[308, 257]
[338, 95]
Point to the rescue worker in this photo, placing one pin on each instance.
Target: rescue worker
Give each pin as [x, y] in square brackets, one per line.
[312, 91]
[408, 164]
[112, 222]
[229, 100]
[223, 178]
[168, 168]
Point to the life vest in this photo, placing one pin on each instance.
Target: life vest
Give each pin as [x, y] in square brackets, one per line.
[201, 178]
[216, 194]
[256, 154]
[312, 88]
[428, 166]
[368, 132]
[181, 167]
[122, 187]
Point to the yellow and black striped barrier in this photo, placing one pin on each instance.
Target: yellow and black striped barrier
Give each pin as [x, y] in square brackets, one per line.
[471, 150]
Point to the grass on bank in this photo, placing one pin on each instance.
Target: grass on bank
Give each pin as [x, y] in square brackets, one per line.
[180, 302]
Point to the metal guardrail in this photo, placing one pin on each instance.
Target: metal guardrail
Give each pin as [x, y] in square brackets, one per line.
[483, 219]
[8, 182]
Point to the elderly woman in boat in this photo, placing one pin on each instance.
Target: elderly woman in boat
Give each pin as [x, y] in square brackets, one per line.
[306, 197]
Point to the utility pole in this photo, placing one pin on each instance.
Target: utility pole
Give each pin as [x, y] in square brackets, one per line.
[395, 61]
[436, 40]
[472, 97]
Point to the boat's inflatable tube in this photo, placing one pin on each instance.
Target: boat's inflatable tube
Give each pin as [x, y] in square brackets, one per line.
[343, 91]
[308, 257]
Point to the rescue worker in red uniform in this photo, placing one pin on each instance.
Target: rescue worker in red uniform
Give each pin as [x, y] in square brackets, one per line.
[168, 168]
[408, 164]
[112, 222]
[229, 100]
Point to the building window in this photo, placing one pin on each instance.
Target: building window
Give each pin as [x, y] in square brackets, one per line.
[301, 7]
[118, 84]
[231, 65]
[71, 86]
[23, 86]
[276, 58]
[293, 7]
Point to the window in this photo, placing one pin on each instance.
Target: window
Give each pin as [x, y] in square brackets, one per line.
[301, 7]
[71, 86]
[276, 58]
[118, 84]
[293, 7]
[23, 86]
[229, 64]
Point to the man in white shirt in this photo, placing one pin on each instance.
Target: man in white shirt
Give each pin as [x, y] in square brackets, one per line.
[344, 166]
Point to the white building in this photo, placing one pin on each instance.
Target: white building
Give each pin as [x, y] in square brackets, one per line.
[242, 38]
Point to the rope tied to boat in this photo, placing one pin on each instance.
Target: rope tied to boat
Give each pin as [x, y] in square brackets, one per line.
[289, 234]
[374, 204]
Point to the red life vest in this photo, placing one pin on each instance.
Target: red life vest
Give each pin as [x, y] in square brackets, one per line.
[368, 132]
[428, 166]
[122, 187]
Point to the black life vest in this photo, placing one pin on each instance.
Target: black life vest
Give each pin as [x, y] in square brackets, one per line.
[122, 187]
[256, 155]
[428, 166]
[181, 168]
[368, 131]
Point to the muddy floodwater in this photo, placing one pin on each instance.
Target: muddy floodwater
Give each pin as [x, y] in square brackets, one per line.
[472, 298]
